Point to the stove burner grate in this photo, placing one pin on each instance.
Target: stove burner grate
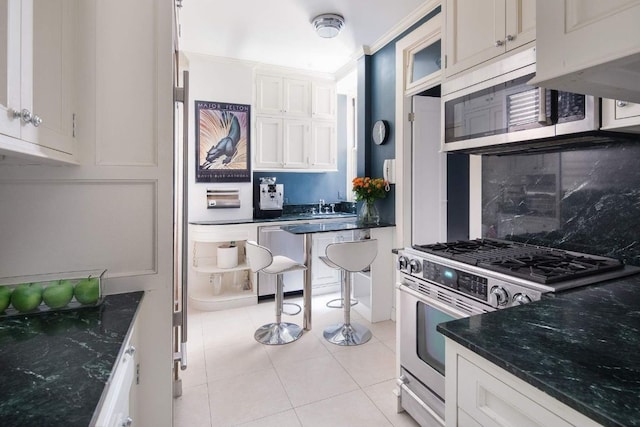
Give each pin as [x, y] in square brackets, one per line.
[535, 263]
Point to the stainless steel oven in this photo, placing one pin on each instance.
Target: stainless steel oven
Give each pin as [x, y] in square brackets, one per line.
[422, 378]
[446, 281]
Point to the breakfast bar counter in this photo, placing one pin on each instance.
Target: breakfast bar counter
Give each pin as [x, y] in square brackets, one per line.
[56, 365]
[308, 230]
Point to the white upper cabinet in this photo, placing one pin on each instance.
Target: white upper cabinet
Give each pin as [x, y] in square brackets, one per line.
[295, 119]
[36, 77]
[477, 31]
[323, 99]
[323, 146]
[283, 96]
[590, 47]
[620, 115]
[10, 57]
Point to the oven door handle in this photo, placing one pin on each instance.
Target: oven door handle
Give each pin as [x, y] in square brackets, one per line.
[402, 383]
[447, 309]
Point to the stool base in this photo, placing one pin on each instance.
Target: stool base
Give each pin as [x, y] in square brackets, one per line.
[278, 333]
[347, 334]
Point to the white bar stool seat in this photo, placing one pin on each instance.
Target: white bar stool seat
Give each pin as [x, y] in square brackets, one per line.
[350, 257]
[261, 259]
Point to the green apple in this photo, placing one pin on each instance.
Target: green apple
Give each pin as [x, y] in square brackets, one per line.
[59, 294]
[5, 297]
[87, 290]
[27, 296]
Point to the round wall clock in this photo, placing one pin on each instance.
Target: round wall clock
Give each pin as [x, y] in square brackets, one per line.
[380, 132]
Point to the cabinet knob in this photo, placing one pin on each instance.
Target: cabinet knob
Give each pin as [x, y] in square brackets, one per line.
[621, 103]
[130, 351]
[510, 38]
[499, 43]
[127, 422]
[36, 120]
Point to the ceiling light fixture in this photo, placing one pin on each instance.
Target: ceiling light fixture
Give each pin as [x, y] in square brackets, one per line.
[328, 25]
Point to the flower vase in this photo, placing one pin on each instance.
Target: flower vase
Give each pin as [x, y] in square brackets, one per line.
[369, 213]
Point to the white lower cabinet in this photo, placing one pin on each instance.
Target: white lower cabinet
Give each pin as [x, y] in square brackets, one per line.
[118, 406]
[479, 393]
[325, 278]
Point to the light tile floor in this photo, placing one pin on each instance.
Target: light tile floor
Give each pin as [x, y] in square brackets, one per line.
[233, 380]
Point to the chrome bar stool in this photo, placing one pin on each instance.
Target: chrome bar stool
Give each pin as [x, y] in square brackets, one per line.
[261, 259]
[337, 302]
[350, 257]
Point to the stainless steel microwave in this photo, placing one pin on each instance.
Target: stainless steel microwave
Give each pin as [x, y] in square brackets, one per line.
[493, 109]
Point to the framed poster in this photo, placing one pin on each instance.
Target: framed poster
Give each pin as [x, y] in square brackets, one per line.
[222, 142]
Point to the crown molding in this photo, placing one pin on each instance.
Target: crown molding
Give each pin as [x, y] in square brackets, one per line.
[403, 25]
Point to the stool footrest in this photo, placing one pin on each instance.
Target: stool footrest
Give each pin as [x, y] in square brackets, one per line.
[331, 304]
[291, 313]
[347, 334]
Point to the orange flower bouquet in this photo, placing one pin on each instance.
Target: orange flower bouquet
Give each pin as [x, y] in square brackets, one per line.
[369, 190]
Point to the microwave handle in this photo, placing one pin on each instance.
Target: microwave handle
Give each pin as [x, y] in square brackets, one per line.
[542, 106]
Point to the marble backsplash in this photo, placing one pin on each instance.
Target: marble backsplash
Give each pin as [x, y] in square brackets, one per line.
[582, 200]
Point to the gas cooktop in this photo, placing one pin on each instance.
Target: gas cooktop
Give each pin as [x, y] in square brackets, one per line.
[535, 263]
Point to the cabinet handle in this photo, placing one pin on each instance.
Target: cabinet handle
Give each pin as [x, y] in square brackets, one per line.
[510, 38]
[27, 117]
[499, 43]
[621, 104]
[127, 422]
[130, 351]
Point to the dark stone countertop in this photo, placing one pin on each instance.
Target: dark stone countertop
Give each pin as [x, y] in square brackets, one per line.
[581, 347]
[331, 226]
[55, 365]
[283, 218]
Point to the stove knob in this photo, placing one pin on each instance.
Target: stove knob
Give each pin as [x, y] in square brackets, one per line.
[520, 299]
[415, 266]
[403, 262]
[501, 296]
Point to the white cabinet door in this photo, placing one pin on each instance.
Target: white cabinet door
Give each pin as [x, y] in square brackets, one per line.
[475, 32]
[296, 143]
[10, 57]
[269, 95]
[269, 146]
[283, 96]
[53, 76]
[37, 78]
[323, 101]
[323, 146]
[520, 23]
[620, 115]
[589, 46]
[297, 98]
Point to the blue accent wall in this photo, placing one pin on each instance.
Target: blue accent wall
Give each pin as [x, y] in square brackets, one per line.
[377, 101]
[307, 188]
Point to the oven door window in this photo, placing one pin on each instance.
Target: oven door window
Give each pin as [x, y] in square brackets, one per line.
[430, 343]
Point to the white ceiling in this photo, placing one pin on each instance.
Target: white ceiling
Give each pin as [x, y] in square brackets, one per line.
[280, 32]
